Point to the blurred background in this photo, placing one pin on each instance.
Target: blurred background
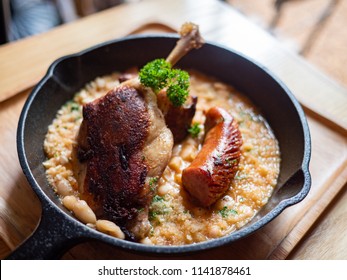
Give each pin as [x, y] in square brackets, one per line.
[315, 29]
[22, 18]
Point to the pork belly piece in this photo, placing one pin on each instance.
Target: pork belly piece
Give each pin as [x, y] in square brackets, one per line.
[210, 174]
[123, 143]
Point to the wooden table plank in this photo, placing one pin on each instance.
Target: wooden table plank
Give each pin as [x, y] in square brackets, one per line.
[19, 207]
[320, 241]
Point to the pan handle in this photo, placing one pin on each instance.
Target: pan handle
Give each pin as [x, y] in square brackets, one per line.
[54, 235]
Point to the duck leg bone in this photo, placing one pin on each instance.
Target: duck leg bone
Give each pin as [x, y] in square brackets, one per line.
[190, 39]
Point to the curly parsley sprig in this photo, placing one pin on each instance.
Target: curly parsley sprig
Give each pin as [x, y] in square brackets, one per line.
[194, 130]
[158, 74]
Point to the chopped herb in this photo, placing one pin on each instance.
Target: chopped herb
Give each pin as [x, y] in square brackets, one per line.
[140, 210]
[74, 106]
[153, 182]
[157, 198]
[225, 212]
[158, 207]
[151, 232]
[194, 130]
[153, 214]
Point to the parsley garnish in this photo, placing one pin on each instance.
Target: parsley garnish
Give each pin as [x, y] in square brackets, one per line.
[153, 182]
[194, 130]
[158, 74]
[225, 212]
[157, 198]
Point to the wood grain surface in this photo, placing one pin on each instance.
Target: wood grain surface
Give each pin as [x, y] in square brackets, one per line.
[313, 28]
[20, 209]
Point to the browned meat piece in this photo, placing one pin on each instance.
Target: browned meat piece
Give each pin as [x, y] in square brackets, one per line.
[123, 142]
[178, 119]
[209, 175]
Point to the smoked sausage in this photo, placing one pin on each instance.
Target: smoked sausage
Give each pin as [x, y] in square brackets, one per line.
[211, 172]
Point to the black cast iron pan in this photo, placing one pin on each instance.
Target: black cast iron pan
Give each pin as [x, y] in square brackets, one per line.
[58, 230]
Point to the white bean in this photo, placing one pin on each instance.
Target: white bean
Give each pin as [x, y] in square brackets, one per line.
[164, 189]
[176, 164]
[63, 159]
[214, 231]
[226, 201]
[178, 178]
[110, 228]
[188, 152]
[83, 212]
[69, 202]
[146, 241]
[64, 188]
[80, 208]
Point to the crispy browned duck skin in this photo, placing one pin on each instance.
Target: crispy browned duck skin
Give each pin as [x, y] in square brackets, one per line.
[122, 144]
[210, 174]
[113, 152]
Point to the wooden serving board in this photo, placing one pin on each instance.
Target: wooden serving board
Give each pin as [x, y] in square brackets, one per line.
[20, 209]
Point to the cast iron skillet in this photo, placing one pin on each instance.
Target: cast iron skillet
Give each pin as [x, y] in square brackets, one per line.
[58, 230]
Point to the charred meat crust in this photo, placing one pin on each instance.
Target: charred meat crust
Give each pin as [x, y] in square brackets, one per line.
[211, 172]
[110, 142]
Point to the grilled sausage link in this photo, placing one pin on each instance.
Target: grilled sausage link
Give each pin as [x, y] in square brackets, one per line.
[210, 174]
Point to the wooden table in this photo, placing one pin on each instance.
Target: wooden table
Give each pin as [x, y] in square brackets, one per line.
[314, 229]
